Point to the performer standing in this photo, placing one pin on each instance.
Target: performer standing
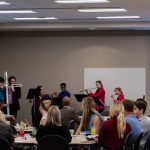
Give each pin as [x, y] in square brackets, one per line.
[14, 94]
[64, 92]
[99, 94]
[38, 100]
[118, 96]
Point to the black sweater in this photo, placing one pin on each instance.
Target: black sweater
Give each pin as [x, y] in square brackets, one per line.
[53, 130]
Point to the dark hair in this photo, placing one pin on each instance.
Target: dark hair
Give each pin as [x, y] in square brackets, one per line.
[11, 77]
[100, 82]
[141, 104]
[128, 105]
[141, 99]
[39, 87]
[2, 80]
[47, 97]
[119, 89]
[63, 84]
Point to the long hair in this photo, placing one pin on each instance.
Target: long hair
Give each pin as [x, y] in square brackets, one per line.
[88, 106]
[117, 110]
[54, 116]
[100, 82]
[119, 89]
[45, 104]
[2, 117]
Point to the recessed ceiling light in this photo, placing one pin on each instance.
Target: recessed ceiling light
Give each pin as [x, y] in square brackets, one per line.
[119, 17]
[103, 10]
[36, 18]
[92, 28]
[4, 3]
[16, 11]
[80, 1]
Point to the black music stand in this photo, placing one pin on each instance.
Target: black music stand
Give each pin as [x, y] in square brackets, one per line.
[33, 94]
[79, 97]
[57, 101]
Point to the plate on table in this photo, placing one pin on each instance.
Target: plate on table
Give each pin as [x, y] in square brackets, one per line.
[92, 137]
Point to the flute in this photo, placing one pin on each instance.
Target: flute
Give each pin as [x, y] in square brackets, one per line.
[87, 89]
[13, 85]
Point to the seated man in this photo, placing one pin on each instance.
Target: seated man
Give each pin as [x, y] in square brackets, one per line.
[68, 113]
[139, 110]
[131, 118]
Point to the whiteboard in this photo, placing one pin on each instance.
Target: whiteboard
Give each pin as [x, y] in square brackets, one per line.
[131, 80]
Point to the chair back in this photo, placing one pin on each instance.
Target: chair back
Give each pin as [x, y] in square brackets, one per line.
[53, 142]
[71, 124]
[128, 144]
[4, 144]
[147, 144]
[137, 141]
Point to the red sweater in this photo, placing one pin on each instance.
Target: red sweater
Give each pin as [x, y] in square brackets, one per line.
[100, 94]
[120, 98]
[108, 135]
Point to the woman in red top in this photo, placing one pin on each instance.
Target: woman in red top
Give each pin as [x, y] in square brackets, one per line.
[114, 131]
[118, 96]
[99, 94]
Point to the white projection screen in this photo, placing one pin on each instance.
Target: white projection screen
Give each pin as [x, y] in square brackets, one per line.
[131, 80]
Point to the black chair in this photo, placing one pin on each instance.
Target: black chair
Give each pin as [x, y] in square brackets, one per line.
[4, 144]
[147, 144]
[137, 142]
[128, 144]
[53, 142]
[71, 124]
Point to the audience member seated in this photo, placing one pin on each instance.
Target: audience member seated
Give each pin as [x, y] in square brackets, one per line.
[91, 118]
[10, 118]
[139, 110]
[53, 125]
[7, 131]
[44, 106]
[38, 114]
[114, 131]
[68, 113]
[131, 118]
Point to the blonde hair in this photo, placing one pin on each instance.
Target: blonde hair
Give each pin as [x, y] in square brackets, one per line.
[66, 101]
[88, 105]
[117, 110]
[54, 116]
[45, 104]
[2, 116]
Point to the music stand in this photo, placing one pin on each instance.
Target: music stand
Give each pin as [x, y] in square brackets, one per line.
[79, 97]
[57, 101]
[33, 93]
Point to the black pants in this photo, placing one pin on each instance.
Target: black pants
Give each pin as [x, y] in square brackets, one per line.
[34, 111]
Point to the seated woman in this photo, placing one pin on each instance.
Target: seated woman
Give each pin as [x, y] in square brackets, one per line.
[114, 131]
[53, 125]
[91, 118]
[44, 106]
[7, 131]
[118, 96]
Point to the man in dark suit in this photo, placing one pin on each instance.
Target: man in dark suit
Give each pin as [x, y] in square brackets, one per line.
[14, 105]
[68, 113]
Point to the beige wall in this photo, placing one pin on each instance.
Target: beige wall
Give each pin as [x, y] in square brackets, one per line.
[49, 60]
